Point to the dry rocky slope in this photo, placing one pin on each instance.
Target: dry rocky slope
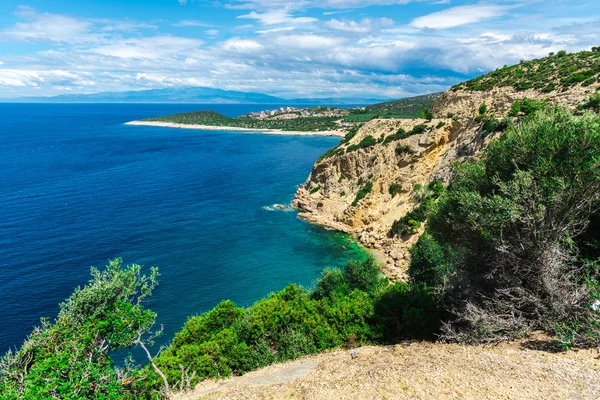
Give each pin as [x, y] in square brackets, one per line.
[327, 196]
[519, 370]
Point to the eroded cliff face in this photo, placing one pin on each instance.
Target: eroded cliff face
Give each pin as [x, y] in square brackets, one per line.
[327, 196]
[463, 103]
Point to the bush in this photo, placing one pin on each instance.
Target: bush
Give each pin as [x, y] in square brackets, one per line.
[512, 217]
[367, 141]
[440, 125]
[483, 108]
[362, 193]
[394, 189]
[288, 324]
[402, 150]
[70, 357]
[526, 106]
[593, 103]
[406, 311]
[315, 189]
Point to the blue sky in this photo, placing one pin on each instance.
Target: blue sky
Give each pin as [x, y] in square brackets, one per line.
[303, 48]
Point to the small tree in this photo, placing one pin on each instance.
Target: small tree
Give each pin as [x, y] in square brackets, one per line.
[70, 357]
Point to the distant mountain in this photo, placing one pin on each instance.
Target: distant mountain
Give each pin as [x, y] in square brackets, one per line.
[190, 95]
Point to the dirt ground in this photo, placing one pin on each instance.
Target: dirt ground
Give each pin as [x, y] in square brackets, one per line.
[529, 369]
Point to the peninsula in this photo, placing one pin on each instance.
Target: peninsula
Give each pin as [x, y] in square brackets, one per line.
[318, 121]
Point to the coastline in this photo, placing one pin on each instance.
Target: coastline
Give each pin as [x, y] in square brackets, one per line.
[231, 128]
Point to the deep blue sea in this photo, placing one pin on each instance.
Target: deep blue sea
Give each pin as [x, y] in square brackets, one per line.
[77, 188]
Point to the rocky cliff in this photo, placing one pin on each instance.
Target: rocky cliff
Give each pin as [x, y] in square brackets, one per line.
[375, 177]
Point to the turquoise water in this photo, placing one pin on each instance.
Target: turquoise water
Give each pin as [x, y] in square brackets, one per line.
[77, 188]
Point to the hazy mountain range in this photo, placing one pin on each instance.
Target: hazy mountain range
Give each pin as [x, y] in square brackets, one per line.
[189, 95]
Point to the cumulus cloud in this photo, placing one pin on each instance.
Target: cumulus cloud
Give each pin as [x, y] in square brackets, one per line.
[461, 15]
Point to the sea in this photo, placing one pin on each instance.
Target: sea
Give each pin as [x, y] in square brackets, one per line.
[79, 188]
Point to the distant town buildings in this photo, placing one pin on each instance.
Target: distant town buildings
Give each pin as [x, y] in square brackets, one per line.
[293, 112]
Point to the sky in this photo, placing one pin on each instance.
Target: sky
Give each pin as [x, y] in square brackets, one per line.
[291, 49]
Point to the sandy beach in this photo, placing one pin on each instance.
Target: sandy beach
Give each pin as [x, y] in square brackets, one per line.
[230, 128]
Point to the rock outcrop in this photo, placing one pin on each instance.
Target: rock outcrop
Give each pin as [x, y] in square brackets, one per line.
[329, 196]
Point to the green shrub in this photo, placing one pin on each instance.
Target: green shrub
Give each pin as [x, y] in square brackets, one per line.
[406, 149]
[526, 106]
[483, 108]
[362, 193]
[399, 135]
[367, 141]
[593, 103]
[394, 189]
[315, 189]
[511, 216]
[440, 125]
[407, 311]
[418, 129]
[426, 114]
[71, 357]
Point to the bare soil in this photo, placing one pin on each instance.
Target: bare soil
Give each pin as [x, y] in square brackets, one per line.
[529, 369]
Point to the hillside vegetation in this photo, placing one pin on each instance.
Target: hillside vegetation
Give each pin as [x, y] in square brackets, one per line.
[411, 107]
[212, 118]
[557, 72]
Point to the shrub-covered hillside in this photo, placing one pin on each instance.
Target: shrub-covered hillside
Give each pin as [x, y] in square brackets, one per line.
[557, 72]
[411, 107]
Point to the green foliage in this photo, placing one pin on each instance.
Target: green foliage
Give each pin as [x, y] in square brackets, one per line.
[399, 135]
[336, 151]
[556, 72]
[418, 129]
[426, 114]
[526, 106]
[70, 357]
[402, 150]
[351, 133]
[405, 310]
[212, 118]
[582, 329]
[492, 125]
[406, 108]
[501, 243]
[288, 324]
[367, 141]
[593, 103]
[483, 108]
[394, 189]
[440, 125]
[362, 193]
[412, 221]
[315, 189]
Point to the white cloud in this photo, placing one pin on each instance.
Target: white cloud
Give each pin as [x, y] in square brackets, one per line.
[367, 25]
[275, 17]
[212, 32]
[243, 46]
[46, 27]
[149, 47]
[191, 22]
[461, 15]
